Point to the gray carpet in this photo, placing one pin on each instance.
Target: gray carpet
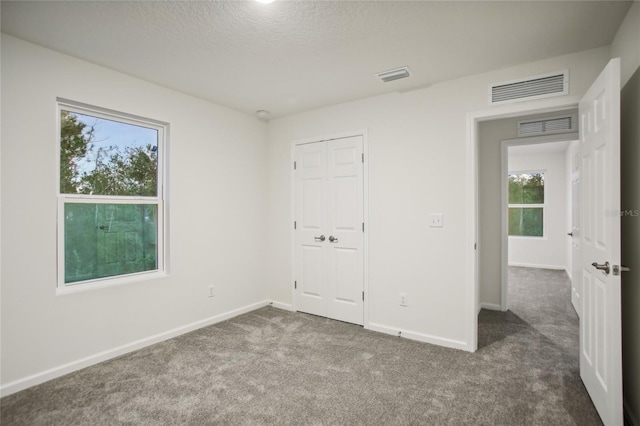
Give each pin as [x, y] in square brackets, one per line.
[275, 367]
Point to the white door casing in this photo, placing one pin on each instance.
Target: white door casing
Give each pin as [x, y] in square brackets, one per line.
[576, 267]
[600, 320]
[329, 235]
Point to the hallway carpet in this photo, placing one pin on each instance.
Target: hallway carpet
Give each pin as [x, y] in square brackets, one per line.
[276, 367]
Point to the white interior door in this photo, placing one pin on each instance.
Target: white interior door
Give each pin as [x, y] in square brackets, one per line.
[600, 323]
[311, 224]
[329, 235]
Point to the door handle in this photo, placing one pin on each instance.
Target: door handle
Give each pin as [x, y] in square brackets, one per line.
[333, 239]
[570, 234]
[604, 267]
[320, 238]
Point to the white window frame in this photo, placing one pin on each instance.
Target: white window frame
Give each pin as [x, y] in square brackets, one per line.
[159, 200]
[525, 206]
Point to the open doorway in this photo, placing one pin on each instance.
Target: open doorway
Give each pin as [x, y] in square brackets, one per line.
[539, 211]
[599, 236]
[537, 236]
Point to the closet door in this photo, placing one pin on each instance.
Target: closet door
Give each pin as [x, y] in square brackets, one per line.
[310, 228]
[329, 238]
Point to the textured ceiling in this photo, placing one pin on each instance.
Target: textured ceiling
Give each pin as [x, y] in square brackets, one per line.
[292, 56]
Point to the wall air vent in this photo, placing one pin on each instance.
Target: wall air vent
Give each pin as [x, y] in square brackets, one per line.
[547, 126]
[395, 74]
[541, 86]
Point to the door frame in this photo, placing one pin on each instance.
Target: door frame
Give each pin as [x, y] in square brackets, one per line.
[365, 210]
[504, 170]
[471, 253]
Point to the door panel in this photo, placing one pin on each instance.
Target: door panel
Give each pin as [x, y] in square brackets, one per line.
[312, 204]
[587, 303]
[310, 256]
[345, 265]
[600, 322]
[311, 283]
[345, 202]
[329, 202]
[344, 221]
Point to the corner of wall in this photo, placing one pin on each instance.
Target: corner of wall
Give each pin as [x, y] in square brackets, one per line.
[626, 44]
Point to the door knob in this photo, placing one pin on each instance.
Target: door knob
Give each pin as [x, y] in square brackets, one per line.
[604, 267]
[333, 239]
[320, 238]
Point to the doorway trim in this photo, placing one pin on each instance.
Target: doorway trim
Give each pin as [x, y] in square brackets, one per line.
[471, 254]
[365, 210]
[504, 170]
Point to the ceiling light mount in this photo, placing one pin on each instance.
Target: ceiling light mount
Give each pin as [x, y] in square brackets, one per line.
[263, 114]
[394, 74]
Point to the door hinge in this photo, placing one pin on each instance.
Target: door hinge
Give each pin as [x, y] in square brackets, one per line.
[363, 296]
[475, 246]
[295, 285]
[362, 226]
[294, 224]
[294, 165]
[363, 157]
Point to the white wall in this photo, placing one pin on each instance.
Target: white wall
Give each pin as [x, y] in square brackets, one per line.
[626, 43]
[417, 166]
[550, 250]
[217, 203]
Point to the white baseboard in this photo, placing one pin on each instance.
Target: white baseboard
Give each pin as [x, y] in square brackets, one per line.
[491, 306]
[420, 337]
[630, 415]
[283, 306]
[44, 376]
[533, 265]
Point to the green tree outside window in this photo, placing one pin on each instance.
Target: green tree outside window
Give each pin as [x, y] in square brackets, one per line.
[114, 164]
[526, 204]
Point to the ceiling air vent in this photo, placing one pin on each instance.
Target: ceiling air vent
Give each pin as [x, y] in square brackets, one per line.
[547, 126]
[395, 74]
[541, 86]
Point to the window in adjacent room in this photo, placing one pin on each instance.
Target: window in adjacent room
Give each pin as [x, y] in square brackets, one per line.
[110, 196]
[526, 204]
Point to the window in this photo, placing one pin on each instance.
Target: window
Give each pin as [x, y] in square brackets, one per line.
[110, 199]
[526, 204]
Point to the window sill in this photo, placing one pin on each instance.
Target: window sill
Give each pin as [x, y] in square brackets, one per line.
[526, 237]
[109, 282]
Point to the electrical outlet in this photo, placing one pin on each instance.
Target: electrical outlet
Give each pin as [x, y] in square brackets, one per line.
[211, 293]
[435, 220]
[403, 299]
